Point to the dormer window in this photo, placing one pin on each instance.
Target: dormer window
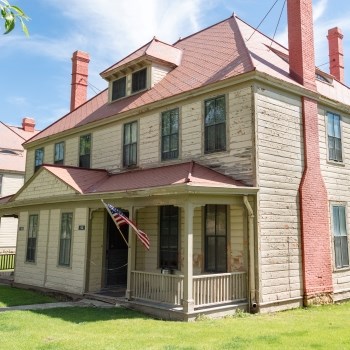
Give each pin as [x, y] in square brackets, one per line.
[139, 80]
[119, 88]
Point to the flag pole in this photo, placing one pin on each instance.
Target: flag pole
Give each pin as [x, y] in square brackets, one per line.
[115, 224]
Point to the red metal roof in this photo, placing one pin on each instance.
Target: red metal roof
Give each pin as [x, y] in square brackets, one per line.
[224, 50]
[89, 181]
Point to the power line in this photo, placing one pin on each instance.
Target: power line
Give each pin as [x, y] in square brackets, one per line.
[263, 19]
[279, 19]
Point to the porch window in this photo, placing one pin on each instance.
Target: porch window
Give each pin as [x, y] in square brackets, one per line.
[334, 137]
[215, 238]
[31, 240]
[169, 237]
[170, 134]
[130, 145]
[39, 158]
[65, 239]
[138, 80]
[85, 151]
[341, 248]
[215, 125]
[118, 88]
[59, 153]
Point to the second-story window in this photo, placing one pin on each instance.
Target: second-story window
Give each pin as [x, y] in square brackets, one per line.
[139, 79]
[85, 151]
[334, 137]
[118, 88]
[215, 125]
[39, 158]
[59, 153]
[170, 134]
[130, 145]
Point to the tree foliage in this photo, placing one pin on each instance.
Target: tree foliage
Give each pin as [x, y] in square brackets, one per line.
[11, 14]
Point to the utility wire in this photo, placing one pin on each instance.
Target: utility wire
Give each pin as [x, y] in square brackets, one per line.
[263, 19]
[279, 19]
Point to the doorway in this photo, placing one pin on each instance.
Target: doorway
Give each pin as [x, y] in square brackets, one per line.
[116, 254]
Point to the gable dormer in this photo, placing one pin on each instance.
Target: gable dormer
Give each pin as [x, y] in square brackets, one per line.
[142, 69]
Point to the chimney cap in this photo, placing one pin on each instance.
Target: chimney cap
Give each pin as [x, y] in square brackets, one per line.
[335, 31]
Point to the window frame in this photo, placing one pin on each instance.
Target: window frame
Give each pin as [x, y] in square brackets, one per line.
[37, 165]
[59, 161]
[217, 253]
[65, 258]
[171, 135]
[85, 157]
[130, 160]
[117, 96]
[168, 215]
[136, 75]
[31, 246]
[332, 140]
[341, 256]
[219, 145]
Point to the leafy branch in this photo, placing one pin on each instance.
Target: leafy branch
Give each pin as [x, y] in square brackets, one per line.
[10, 14]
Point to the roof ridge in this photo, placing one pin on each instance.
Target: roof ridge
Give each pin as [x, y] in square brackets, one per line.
[9, 127]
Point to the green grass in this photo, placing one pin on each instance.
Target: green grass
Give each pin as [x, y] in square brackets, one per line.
[325, 327]
[13, 296]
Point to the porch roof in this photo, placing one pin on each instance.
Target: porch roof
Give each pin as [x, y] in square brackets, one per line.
[89, 181]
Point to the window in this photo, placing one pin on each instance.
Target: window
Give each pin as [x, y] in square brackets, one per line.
[215, 238]
[32, 235]
[39, 158]
[85, 151]
[139, 80]
[341, 252]
[334, 138]
[118, 88]
[65, 239]
[169, 237]
[59, 153]
[215, 125]
[130, 145]
[170, 134]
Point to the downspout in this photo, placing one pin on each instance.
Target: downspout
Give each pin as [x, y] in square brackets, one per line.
[252, 300]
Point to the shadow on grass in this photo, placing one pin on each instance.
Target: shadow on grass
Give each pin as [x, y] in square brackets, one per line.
[80, 315]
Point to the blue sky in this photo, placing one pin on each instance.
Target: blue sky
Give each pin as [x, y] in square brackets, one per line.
[35, 75]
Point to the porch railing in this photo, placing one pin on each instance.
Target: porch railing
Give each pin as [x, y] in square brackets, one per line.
[158, 287]
[207, 289]
[219, 288]
[7, 261]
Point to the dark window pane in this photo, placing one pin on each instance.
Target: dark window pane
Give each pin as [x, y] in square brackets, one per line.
[334, 137]
[169, 236]
[139, 80]
[130, 145]
[39, 158]
[170, 134]
[118, 88]
[59, 153]
[85, 151]
[32, 236]
[340, 236]
[65, 239]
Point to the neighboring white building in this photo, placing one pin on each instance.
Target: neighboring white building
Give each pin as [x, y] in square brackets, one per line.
[12, 166]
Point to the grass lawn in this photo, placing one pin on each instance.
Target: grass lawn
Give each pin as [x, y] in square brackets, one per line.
[326, 327]
[14, 296]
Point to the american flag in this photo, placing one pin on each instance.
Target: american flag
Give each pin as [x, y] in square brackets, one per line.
[120, 219]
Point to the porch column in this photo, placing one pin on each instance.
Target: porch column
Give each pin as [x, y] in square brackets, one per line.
[131, 256]
[188, 301]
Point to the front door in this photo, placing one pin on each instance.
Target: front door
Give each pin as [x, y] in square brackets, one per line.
[116, 254]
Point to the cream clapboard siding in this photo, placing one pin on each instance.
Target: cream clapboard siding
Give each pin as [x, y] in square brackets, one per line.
[32, 273]
[45, 185]
[96, 262]
[11, 183]
[29, 164]
[279, 138]
[107, 140]
[45, 271]
[337, 180]
[158, 72]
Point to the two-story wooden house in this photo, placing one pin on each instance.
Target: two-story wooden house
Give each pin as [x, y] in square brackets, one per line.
[227, 149]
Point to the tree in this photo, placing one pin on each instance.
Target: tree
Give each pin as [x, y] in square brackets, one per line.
[10, 14]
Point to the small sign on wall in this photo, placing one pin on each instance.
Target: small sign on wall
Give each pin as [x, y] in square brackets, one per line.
[81, 227]
[21, 228]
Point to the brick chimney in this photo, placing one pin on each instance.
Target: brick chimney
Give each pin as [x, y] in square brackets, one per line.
[80, 64]
[336, 53]
[315, 235]
[28, 124]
